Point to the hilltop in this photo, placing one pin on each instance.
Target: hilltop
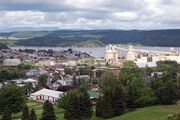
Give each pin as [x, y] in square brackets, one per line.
[96, 38]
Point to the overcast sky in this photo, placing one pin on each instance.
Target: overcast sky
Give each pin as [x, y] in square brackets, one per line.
[91, 14]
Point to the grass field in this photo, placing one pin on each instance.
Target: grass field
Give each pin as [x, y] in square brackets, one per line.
[159, 112]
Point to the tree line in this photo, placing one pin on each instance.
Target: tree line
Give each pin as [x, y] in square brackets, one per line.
[129, 90]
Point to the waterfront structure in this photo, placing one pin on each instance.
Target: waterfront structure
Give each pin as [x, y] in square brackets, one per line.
[131, 54]
[139, 56]
[111, 54]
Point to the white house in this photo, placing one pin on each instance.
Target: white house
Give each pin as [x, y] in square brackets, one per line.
[30, 80]
[32, 72]
[45, 94]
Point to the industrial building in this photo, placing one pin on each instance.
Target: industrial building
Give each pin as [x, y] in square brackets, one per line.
[46, 94]
[139, 56]
[11, 62]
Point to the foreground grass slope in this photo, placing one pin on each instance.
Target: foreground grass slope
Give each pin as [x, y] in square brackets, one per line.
[159, 112]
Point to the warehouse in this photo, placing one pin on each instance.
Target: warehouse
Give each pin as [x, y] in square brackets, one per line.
[45, 94]
[11, 62]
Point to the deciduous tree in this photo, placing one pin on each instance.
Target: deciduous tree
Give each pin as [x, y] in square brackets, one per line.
[42, 80]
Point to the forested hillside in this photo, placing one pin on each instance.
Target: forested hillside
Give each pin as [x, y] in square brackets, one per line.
[60, 42]
[70, 37]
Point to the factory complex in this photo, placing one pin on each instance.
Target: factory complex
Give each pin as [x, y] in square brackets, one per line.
[141, 57]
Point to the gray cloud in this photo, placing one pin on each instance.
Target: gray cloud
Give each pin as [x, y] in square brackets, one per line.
[91, 14]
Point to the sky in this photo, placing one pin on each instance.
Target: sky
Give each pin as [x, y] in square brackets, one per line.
[90, 14]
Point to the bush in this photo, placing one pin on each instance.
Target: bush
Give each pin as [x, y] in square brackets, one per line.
[175, 116]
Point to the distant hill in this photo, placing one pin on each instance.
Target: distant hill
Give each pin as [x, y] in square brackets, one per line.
[60, 42]
[97, 37]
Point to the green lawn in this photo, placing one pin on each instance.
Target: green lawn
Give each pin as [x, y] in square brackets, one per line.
[159, 112]
[37, 106]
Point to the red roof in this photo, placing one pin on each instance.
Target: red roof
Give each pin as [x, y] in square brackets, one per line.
[69, 85]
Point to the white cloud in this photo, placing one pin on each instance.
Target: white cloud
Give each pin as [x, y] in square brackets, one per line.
[125, 16]
[91, 14]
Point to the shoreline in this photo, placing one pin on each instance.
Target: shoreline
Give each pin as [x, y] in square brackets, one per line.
[89, 47]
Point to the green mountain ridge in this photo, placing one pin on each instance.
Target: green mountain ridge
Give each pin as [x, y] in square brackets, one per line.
[164, 38]
[60, 42]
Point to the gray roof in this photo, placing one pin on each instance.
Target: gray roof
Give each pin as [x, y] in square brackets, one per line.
[146, 64]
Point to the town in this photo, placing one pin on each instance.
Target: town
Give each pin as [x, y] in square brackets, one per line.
[90, 60]
[47, 75]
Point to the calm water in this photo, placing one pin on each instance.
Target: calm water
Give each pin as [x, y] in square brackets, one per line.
[99, 52]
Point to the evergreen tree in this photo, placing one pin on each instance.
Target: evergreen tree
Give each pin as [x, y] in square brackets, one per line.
[85, 105]
[13, 97]
[72, 108]
[104, 108]
[99, 106]
[25, 113]
[132, 96]
[6, 114]
[33, 115]
[78, 105]
[48, 111]
[118, 100]
[112, 103]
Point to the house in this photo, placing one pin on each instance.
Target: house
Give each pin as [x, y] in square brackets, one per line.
[46, 94]
[46, 63]
[93, 96]
[100, 70]
[22, 82]
[65, 82]
[113, 70]
[86, 77]
[157, 74]
[54, 86]
[62, 82]
[141, 64]
[151, 64]
[18, 82]
[1, 85]
[94, 88]
[30, 80]
[178, 75]
[33, 72]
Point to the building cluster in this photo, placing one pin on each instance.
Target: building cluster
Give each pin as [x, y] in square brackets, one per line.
[36, 55]
[62, 69]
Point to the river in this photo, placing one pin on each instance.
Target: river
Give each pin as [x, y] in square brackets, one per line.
[100, 52]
